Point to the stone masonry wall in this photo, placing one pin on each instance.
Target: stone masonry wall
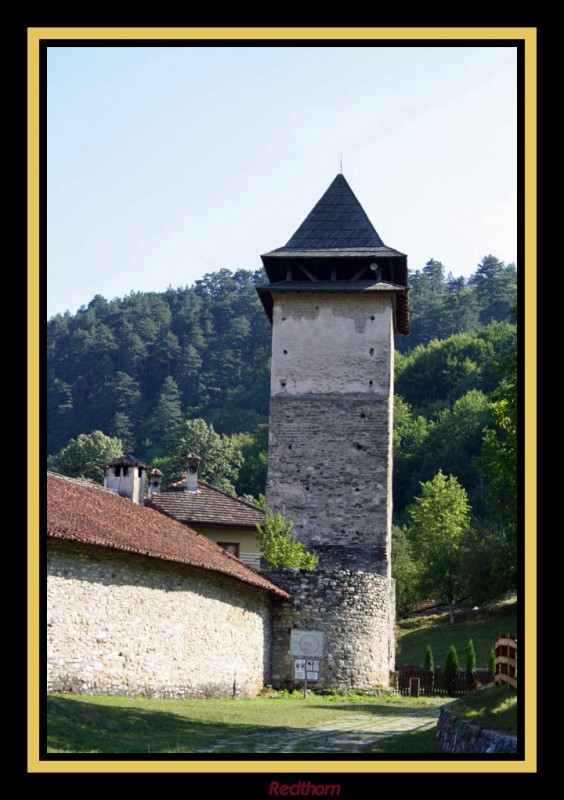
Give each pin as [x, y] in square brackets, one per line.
[120, 623]
[355, 610]
[459, 736]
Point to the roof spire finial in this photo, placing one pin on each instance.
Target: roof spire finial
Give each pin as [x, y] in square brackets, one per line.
[341, 170]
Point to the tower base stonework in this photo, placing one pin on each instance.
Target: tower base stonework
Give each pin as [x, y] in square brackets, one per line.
[356, 612]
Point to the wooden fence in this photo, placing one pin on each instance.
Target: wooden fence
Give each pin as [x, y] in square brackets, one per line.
[441, 684]
[506, 660]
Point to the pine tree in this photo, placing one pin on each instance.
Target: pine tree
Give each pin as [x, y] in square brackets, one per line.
[491, 662]
[451, 661]
[471, 658]
[429, 662]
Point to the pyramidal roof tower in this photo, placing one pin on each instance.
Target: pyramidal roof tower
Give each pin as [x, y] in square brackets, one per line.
[337, 243]
[336, 295]
[337, 221]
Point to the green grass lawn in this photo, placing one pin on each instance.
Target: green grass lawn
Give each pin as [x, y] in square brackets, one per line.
[103, 724]
[483, 627]
[492, 707]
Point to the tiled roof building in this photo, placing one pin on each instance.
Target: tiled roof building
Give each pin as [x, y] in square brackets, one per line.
[93, 515]
[139, 603]
[209, 506]
[226, 520]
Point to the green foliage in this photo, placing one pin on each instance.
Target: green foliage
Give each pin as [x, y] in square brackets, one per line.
[485, 554]
[441, 307]
[444, 369]
[280, 547]
[470, 657]
[496, 286]
[429, 661]
[491, 662]
[442, 409]
[254, 452]
[168, 410]
[85, 456]
[220, 460]
[440, 518]
[404, 571]
[211, 339]
[499, 458]
[451, 661]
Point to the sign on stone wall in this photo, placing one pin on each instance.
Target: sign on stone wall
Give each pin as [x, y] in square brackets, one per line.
[306, 643]
[306, 669]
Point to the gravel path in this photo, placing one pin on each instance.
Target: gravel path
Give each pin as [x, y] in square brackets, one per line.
[349, 735]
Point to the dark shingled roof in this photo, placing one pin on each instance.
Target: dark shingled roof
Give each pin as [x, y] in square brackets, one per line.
[337, 220]
[82, 512]
[208, 506]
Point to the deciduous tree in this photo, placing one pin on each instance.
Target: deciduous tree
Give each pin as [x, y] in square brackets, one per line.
[85, 456]
[440, 517]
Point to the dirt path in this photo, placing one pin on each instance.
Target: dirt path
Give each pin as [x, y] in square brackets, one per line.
[349, 735]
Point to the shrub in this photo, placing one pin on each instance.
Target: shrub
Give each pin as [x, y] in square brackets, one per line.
[491, 661]
[279, 546]
[471, 658]
[429, 662]
[451, 662]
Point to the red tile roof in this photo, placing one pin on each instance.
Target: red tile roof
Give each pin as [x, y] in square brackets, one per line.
[83, 512]
[208, 506]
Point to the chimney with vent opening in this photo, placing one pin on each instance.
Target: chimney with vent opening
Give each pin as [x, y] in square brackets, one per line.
[126, 476]
[192, 463]
[155, 480]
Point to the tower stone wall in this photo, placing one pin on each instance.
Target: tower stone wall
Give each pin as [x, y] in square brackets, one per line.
[329, 465]
[330, 420]
[355, 610]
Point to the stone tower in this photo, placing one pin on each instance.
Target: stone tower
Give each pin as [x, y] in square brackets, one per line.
[336, 296]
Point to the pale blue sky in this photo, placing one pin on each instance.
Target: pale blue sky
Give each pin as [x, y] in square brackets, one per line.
[166, 163]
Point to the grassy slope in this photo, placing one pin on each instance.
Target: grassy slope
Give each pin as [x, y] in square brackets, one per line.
[492, 707]
[483, 627]
[100, 724]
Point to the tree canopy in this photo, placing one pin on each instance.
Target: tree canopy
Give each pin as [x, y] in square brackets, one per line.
[85, 456]
[439, 520]
[220, 459]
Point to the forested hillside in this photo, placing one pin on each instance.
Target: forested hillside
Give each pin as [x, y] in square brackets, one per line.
[136, 367]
